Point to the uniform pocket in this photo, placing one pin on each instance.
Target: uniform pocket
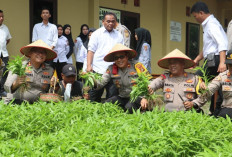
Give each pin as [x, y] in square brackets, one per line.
[168, 93]
[190, 93]
[227, 91]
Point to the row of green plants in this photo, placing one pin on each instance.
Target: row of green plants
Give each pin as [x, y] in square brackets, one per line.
[82, 128]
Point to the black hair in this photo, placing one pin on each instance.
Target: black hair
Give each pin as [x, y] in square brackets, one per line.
[1, 11]
[45, 8]
[200, 6]
[109, 13]
[58, 25]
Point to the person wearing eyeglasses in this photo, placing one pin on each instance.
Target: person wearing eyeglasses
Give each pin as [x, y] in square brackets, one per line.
[122, 73]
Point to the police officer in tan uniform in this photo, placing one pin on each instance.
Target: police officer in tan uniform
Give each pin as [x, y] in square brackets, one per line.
[125, 33]
[122, 72]
[38, 74]
[223, 81]
[178, 86]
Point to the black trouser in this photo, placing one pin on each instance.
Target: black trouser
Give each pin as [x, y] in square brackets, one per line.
[4, 77]
[213, 71]
[59, 66]
[111, 90]
[125, 103]
[225, 111]
[79, 67]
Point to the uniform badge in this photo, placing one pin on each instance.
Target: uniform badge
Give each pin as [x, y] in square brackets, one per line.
[228, 74]
[133, 81]
[116, 75]
[168, 96]
[126, 33]
[227, 80]
[132, 73]
[189, 81]
[108, 71]
[185, 74]
[28, 79]
[45, 81]
[28, 71]
[218, 78]
[145, 48]
[45, 73]
[168, 89]
[128, 65]
[226, 88]
[189, 89]
[170, 75]
[189, 95]
[117, 84]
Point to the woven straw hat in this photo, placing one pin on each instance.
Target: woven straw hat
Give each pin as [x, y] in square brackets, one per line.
[119, 48]
[176, 54]
[40, 44]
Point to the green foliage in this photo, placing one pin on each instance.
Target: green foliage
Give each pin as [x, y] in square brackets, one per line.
[141, 87]
[89, 78]
[16, 66]
[82, 128]
[206, 78]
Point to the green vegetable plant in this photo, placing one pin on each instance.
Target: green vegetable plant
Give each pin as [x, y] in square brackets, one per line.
[89, 78]
[17, 67]
[141, 89]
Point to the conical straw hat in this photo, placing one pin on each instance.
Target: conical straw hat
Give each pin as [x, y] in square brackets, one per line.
[163, 63]
[40, 44]
[119, 48]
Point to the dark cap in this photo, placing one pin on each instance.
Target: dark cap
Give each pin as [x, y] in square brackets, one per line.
[69, 70]
[229, 57]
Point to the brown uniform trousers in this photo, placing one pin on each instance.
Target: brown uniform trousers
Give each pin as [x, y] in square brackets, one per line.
[185, 86]
[37, 81]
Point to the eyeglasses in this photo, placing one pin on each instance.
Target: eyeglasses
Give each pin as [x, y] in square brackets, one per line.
[117, 57]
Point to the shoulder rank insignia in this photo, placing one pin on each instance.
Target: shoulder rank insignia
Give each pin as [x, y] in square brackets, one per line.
[132, 73]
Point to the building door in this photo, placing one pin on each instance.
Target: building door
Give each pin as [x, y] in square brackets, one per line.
[131, 21]
[35, 12]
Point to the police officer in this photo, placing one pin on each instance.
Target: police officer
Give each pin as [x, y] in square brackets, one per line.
[122, 72]
[37, 75]
[178, 86]
[125, 33]
[223, 81]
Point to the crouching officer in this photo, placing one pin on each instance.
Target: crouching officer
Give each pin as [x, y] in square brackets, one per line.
[122, 72]
[38, 74]
[179, 87]
[223, 81]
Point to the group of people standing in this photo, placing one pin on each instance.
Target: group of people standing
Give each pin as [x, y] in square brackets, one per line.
[106, 51]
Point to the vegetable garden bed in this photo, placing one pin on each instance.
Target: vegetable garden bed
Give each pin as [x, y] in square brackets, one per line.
[82, 128]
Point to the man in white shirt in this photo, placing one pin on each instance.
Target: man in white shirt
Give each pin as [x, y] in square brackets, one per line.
[101, 42]
[45, 30]
[214, 45]
[4, 40]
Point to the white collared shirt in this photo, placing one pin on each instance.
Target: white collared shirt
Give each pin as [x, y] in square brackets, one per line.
[4, 36]
[61, 49]
[214, 37]
[101, 42]
[48, 33]
[77, 50]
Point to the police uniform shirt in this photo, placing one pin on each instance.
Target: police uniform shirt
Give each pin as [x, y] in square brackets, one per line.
[123, 79]
[37, 81]
[185, 86]
[125, 33]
